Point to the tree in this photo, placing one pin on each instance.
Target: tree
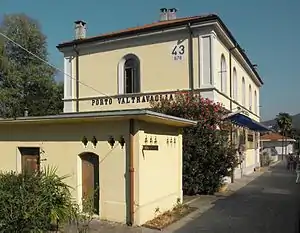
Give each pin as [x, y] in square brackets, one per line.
[284, 123]
[207, 156]
[26, 82]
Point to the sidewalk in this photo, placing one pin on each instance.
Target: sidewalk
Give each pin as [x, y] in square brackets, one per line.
[243, 203]
[259, 203]
[205, 202]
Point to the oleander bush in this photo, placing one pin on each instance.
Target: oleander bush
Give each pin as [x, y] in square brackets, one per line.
[207, 154]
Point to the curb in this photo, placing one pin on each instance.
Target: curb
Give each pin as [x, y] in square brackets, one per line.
[191, 201]
[274, 164]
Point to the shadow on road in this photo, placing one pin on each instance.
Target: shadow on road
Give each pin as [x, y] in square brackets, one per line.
[270, 203]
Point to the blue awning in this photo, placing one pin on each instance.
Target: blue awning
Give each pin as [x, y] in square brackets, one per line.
[245, 121]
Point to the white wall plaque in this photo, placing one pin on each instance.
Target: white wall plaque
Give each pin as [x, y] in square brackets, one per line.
[178, 52]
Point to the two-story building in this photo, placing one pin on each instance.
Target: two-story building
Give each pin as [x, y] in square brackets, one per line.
[128, 68]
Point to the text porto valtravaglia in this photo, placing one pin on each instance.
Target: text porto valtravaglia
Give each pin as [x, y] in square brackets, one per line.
[131, 100]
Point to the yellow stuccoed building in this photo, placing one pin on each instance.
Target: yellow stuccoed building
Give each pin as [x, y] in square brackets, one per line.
[106, 140]
[130, 161]
[129, 68]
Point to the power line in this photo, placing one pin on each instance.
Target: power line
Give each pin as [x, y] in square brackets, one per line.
[48, 63]
[53, 66]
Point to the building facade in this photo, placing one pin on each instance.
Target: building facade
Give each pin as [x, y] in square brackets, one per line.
[129, 162]
[129, 68]
[283, 145]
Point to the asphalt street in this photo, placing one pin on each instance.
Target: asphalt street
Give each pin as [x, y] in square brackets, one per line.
[270, 203]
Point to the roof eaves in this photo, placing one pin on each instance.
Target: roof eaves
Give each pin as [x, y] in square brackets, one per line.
[141, 29]
[239, 48]
[156, 27]
[114, 113]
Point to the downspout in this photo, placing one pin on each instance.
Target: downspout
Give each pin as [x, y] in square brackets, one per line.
[77, 77]
[230, 81]
[131, 171]
[230, 95]
[191, 57]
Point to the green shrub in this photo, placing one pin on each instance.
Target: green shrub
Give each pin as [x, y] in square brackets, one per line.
[207, 156]
[32, 202]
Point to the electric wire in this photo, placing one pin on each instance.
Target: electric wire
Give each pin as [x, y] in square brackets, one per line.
[56, 68]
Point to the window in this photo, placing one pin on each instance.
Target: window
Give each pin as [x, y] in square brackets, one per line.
[234, 84]
[129, 74]
[255, 102]
[250, 140]
[250, 98]
[30, 159]
[223, 74]
[243, 92]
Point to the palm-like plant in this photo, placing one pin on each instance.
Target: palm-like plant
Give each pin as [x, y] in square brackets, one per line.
[59, 200]
[284, 123]
[33, 202]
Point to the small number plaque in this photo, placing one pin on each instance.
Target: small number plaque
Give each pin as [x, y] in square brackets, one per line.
[150, 147]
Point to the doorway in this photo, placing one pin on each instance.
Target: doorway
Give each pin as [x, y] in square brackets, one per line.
[30, 159]
[90, 181]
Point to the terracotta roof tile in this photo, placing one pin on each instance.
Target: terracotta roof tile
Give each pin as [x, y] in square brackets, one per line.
[139, 28]
[273, 137]
[162, 25]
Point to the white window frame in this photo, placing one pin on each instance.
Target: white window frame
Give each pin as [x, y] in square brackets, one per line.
[223, 71]
[121, 72]
[250, 98]
[234, 85]
[243, 92]
[255, 101]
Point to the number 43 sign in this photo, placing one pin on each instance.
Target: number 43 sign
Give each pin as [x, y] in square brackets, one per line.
[178, 52]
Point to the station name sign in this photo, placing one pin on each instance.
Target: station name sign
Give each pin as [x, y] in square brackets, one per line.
[136, 99]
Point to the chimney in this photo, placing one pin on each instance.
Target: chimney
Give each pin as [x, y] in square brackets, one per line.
[163, 14]
[172, 13]
[80, 29]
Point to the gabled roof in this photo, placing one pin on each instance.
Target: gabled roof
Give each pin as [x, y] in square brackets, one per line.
[161, 25]
[275, 137]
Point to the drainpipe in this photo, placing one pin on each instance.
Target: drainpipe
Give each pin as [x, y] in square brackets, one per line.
[131, 171]
[77, 77]
[230, 95]
[191, 57]
[230, 80]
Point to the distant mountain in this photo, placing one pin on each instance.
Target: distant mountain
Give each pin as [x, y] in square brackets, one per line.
[295, 118]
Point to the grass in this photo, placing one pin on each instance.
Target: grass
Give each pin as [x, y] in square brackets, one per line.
[167, 218]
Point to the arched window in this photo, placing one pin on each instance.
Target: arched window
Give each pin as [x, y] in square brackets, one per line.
[234, 84]
[243, 92]
[250, 98]
[223, 74]
[129, 75]
[255, 102]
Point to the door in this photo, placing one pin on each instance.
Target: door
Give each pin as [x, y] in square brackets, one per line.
[30, 163]
[90, 182]
[30, 159]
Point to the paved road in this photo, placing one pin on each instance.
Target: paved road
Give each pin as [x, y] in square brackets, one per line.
[270, 203]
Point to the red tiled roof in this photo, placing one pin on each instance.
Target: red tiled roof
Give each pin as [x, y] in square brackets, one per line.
[137, 29]
[274, 137]
[160, 26]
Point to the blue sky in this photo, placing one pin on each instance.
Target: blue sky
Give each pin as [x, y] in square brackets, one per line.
[267, 29]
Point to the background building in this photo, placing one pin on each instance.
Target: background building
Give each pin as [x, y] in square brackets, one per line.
[278, 142]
